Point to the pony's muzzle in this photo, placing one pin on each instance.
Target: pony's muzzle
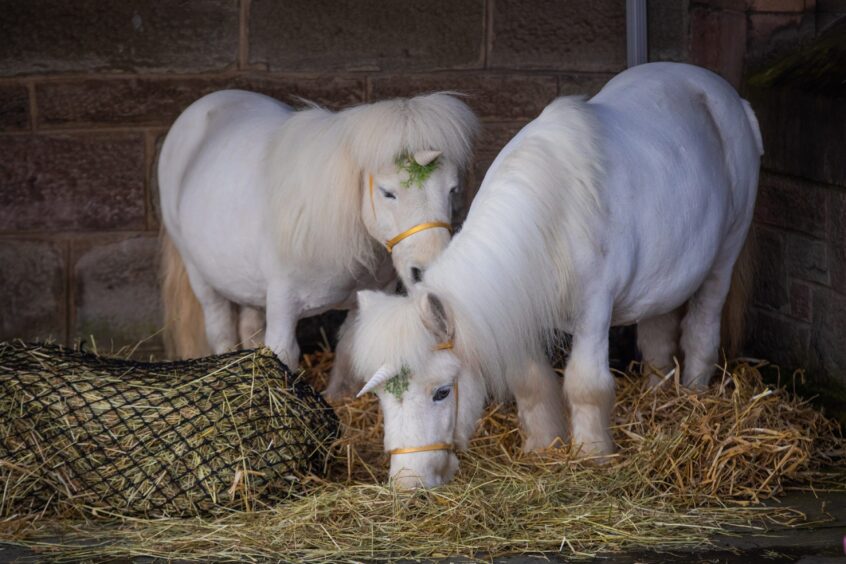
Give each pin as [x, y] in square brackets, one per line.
[432, 469]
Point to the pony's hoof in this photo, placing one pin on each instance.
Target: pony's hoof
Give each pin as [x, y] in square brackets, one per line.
[535, 444]
[594, 450]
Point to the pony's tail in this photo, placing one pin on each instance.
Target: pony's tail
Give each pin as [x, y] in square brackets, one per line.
[184, 330]
[735, 309]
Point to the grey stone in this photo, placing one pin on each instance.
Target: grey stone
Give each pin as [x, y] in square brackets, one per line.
[577, 35]
[323, 35]
[32, 290]
[64, 182]
[53, 36]
[116, 292]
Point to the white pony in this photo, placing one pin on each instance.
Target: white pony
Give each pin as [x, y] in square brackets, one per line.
[288, 213]
[618, 210]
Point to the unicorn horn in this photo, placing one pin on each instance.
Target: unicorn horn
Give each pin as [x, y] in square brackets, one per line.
[425, 157]
[380, 377]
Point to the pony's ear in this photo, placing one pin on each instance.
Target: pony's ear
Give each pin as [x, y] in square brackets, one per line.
[365, 298]
[436, 316]
[425, 157]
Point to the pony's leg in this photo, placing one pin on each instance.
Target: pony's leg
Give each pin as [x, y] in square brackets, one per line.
[341, 379]
[281, 332]
[251, 327]
[700, 340]
[657, 339]
[218, 313]
[589, 385]
[540, 405]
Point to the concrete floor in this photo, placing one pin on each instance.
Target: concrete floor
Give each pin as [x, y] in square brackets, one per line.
[822, 543]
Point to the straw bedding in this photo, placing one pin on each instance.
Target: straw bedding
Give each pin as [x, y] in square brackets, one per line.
[688, 466]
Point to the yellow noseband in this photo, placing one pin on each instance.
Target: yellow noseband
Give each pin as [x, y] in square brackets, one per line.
[416, 229]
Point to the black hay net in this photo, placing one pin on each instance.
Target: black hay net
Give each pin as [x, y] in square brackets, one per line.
[80, 432]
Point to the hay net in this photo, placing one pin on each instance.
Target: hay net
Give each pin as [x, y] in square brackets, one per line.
[81, 432]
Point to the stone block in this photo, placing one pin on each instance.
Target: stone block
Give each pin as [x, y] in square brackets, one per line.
[14, 107]
[577, 35]
[828, 333]
[54, 36]
[492, 96]
[582, 84]
[116, 294]
[667, 30]
[322, 35]
[781, 340]
[791, 203]
[63, 182]
[806, 258]
[32, 290]
[771, 285]
[158, 101]
[800, 301]
[781, 5]
[718, 41]
[836, 239]
[496, 135]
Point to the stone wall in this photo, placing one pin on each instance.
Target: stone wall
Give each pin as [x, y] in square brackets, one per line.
[798, 307]
[89, 88]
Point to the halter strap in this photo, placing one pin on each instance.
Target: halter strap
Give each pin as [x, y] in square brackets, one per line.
[391, 243]
[446, 345]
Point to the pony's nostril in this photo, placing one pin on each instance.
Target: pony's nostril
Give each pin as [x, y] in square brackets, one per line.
[416, 274]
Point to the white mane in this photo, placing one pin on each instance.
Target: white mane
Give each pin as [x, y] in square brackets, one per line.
[319, 158]
[496, 274]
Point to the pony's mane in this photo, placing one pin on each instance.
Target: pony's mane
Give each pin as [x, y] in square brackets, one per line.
[508, 274]
[319, 158]
[410, 343]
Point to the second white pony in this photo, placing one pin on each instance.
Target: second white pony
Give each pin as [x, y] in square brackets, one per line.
[623, 209]
[287, 213]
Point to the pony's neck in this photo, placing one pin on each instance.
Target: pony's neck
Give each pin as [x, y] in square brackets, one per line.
[495, 276]
[510, 271]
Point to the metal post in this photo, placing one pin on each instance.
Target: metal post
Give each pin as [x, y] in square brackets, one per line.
[636, 53]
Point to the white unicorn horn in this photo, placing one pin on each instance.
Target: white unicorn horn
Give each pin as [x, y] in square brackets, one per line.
[425, 157]
[380, 377]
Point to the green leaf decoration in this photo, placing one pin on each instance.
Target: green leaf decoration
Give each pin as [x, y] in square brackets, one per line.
[417, 173]
[399, 383]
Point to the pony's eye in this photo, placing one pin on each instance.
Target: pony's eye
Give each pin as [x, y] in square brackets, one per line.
[388, 195]
[441, 393]
[453, 190]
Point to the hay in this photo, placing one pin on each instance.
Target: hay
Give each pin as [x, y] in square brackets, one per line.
[689, 466]
[81, 433]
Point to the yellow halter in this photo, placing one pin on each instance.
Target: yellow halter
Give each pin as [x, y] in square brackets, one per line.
[445, 346]
[391, 243]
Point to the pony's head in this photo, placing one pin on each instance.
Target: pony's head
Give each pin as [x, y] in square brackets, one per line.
[411, 153]
[430, 401]
[408, 207]
[370, 173]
